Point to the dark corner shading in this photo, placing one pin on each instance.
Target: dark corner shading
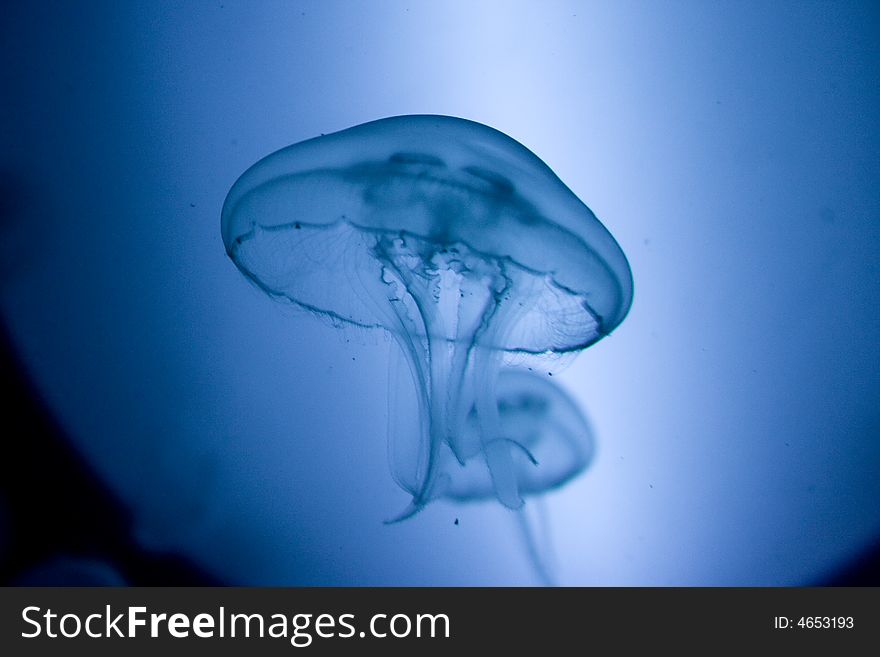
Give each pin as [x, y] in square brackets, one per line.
[59, 525]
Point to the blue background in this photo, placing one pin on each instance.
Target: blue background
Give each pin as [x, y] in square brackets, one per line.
[731, 148]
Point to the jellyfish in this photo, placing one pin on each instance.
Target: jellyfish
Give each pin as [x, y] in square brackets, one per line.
[457, 241]
[555, 444]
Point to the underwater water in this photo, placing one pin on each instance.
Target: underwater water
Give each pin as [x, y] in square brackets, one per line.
[729, 148]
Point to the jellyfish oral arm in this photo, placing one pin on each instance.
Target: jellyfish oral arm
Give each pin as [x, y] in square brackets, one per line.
[451, 306]
[496, 448]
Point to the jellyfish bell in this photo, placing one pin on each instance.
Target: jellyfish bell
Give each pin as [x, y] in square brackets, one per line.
[451, 236]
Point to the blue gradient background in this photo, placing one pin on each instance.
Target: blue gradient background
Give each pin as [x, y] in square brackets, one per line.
[731, 148]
